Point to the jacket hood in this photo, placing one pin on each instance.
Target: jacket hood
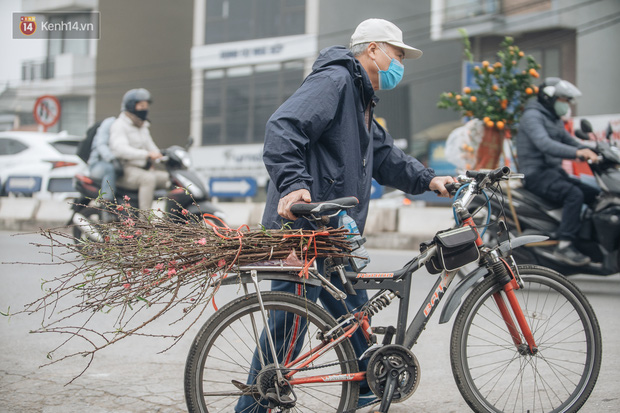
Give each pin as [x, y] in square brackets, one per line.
[536, 104]
[341, 56]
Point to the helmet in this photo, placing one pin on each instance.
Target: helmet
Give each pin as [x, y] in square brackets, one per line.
[553, 88]
[134, 96]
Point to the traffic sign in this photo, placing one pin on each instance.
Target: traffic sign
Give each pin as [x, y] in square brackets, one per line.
[233, 187]
[47, 111]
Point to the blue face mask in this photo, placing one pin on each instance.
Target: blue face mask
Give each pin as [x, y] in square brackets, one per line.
[388, 79]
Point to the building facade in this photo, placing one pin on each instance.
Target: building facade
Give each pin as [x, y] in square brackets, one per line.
[143, 43]
[66, 70]
[218, 69]
[247, 57]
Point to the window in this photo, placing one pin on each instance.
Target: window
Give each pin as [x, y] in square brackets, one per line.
[66, 147]
[59, 43]
[235, 20]
[10, 146]
[238, 101]
[460, 9]
[74, 115]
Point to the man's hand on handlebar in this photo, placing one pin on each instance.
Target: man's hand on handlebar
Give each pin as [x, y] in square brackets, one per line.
[438, 184]
[284, 206]
[587, 155]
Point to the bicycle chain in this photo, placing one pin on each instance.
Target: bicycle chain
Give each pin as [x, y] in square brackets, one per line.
[332, 365]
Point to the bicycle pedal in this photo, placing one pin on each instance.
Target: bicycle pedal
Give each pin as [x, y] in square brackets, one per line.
[247, 389]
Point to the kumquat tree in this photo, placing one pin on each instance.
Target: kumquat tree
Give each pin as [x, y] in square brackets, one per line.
[498, 97]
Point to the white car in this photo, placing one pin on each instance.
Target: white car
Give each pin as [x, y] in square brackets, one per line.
[39, 164]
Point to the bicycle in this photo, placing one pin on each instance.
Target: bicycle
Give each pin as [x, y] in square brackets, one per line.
[524, 339]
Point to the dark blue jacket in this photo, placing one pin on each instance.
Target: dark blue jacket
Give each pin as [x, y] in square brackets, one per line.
[542, 141]
[319, 140]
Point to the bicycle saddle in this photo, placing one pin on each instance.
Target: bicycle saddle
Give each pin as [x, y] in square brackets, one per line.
[301, 209]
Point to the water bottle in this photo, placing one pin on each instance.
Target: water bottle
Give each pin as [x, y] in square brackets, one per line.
[356, 241]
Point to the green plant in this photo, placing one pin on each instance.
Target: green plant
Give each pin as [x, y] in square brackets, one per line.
[501, 90]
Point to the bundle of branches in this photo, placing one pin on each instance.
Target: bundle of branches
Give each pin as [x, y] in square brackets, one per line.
[161, 261]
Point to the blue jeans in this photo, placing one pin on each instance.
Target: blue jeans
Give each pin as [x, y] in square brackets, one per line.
[333, 306]
[104, 171]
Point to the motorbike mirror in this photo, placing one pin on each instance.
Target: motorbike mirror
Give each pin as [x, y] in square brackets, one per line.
[579, 133]
[190, 142]
[586, 126]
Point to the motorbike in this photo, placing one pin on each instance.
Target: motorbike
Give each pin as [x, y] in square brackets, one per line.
[187, 196]
[527, 214]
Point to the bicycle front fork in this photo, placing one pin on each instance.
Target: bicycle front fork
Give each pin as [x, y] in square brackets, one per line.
[511, 283]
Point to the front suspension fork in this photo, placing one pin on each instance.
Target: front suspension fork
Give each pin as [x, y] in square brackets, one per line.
[509, 291]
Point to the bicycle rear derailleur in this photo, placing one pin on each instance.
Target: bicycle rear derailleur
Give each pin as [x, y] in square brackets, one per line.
[393, 374]
[276, 394]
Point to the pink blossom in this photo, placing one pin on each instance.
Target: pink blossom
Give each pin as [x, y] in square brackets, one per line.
[146, 271]
[201, 241]
[171, 272]
[119, 208]
[159, 266]
[126, 286]
[221, 263]
[126, 198]
[184, 211]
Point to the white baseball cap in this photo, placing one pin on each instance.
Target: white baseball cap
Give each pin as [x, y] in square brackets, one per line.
[379, 30]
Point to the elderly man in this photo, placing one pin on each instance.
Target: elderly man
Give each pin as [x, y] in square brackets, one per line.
[323, 143]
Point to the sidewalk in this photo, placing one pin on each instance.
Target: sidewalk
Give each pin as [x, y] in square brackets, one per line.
[387, 227]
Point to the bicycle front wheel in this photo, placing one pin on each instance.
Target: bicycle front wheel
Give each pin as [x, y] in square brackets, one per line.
[493, 376]
[224, 357]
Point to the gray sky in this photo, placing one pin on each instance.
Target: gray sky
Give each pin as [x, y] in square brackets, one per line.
[14, 51]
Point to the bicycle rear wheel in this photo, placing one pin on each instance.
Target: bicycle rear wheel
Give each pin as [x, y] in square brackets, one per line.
[493, 376]
[220, 358]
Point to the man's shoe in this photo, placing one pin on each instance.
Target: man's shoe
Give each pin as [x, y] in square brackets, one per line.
[570, 255]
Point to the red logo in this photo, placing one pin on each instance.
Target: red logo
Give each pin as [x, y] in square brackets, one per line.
[27, 25]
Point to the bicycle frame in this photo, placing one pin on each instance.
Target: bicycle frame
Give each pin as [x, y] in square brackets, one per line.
[399, 282]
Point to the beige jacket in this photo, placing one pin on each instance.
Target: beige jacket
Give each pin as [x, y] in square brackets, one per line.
[129, 143]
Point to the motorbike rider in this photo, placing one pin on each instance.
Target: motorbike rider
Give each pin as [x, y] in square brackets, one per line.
[542, 143]
[131, 141]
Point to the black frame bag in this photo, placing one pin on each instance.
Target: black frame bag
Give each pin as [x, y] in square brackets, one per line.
[455, 249]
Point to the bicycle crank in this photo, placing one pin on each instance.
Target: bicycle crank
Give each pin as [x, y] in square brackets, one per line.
[393, 369]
